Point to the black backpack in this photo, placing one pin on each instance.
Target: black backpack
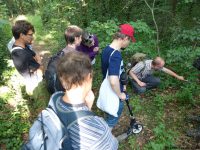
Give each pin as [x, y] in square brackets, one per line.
[52, 80]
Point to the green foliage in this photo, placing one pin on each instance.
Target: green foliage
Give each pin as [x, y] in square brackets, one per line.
[163, 139]
[14, 122]
[186, 95]
[186, 36]
[5, 32]
[3, 10]
[104, 31]
[37, 23]
[178, 25]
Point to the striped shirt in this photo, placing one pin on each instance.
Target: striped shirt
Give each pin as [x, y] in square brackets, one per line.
[143, 69]
[90, 132]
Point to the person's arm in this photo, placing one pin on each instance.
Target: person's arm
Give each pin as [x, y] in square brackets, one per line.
[113, 74]
[137, 69]
[114, 82]
[170, 72]
[134, 77]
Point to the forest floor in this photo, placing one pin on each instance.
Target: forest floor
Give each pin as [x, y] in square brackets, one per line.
[174, 117]
[163, 114]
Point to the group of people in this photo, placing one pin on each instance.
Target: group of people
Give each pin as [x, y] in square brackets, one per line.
[69, 77]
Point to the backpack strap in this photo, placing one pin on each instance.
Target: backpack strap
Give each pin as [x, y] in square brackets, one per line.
[14, 48]
[109, 61]
[143, 67]
[68, 119]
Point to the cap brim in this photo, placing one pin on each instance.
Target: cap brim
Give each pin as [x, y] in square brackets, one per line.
[133, 39]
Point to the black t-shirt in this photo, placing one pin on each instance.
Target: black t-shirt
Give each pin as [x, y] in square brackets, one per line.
[24, 61]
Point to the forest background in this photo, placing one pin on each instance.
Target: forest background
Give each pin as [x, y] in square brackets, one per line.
[169, 28]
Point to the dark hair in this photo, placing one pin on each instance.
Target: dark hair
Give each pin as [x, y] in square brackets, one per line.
[73, 69]
[119, 35]
[21, 26]
[71, 32]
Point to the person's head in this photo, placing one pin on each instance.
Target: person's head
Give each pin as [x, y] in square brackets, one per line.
[23, 30]
[73, 35]
[158, 63]
[124, 35]
[75, 70]
[87, 39]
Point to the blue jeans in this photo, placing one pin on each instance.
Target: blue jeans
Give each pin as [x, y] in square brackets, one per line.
[151, 82]
[111, 120]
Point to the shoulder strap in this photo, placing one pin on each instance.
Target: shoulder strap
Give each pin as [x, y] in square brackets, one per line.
[143, 67]
[109, 61]
[111, 54]
[14, 48]
[68, 119]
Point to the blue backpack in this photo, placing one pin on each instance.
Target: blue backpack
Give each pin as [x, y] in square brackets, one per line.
[50, 129]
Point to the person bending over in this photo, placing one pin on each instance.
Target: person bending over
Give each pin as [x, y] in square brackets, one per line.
[142, 77]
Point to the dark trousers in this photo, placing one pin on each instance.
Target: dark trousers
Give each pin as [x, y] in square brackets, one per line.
[151, 82]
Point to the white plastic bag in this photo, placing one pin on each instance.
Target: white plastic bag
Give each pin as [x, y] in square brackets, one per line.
[108, 100]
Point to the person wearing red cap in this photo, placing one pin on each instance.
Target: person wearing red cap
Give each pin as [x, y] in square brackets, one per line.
[111, 61]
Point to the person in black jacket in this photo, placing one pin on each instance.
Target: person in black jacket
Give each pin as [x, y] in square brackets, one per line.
[26, 61]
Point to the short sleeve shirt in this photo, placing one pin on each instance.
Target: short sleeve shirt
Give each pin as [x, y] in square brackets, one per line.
[88, 133]
[23, 59]
[114, 66]
[143, 69]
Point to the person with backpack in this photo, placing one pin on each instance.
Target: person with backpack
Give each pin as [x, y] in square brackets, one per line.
[141, 74]
[89, 46]
[73, 38]
[26, 61]
[112, 66]
[78, 128]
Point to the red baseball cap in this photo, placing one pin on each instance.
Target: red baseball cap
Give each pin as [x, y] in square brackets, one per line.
[127, 29]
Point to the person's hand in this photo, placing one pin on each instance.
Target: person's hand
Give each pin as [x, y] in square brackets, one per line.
[96, 49]
[142, 84]
[38, 58]
[122, 96]
[89, 99]
[181, 78]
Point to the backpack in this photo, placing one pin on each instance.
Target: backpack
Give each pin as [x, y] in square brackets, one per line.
[137, 57]
[52, 80]
[50, 129]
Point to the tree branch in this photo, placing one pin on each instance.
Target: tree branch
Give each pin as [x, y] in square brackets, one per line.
[154, 20]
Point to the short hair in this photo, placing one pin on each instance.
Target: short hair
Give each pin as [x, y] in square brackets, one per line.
[157, 61]
[21, 26]
[119, 35]
[71, 32]
[73, 69]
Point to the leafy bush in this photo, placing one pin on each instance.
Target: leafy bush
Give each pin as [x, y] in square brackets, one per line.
[5, 32]
[163, 139]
